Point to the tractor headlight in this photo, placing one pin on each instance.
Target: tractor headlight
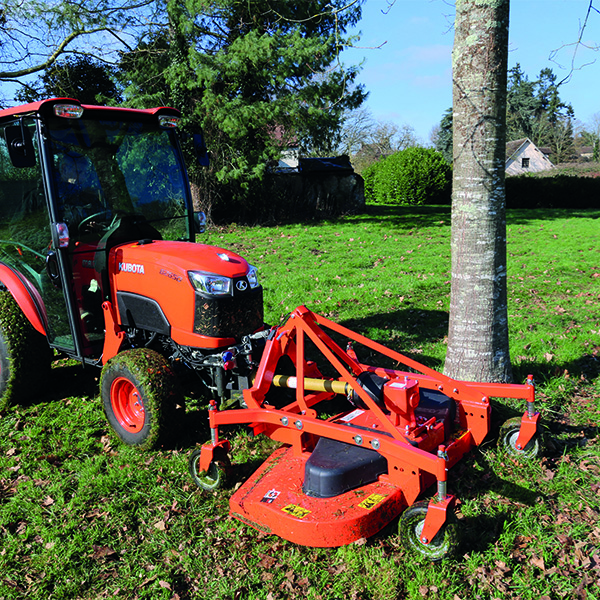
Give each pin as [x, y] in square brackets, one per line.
[213, 285]
[252, 276]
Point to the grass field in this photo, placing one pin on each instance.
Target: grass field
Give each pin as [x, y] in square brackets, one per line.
[82, 517]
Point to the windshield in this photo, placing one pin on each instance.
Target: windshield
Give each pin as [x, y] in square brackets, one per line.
[105, 169]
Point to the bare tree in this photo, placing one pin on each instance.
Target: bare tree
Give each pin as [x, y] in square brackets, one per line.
[356, 129]
[367, 140]
[36, 33]
[478, 330]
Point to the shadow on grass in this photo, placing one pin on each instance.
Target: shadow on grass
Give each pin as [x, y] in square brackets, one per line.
[65, 381]
[404, 331]
[415, 217]
[481, 532]
[521, 216]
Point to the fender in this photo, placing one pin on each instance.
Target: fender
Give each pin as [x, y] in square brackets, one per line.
[26, 296]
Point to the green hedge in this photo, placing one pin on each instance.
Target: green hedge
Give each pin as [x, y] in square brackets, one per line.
[559, 191]
[410, 177]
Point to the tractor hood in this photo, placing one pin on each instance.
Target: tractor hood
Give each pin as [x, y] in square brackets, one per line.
[178, 258]
[177, 287]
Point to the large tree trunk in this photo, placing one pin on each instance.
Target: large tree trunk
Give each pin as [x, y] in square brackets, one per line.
[478, 329]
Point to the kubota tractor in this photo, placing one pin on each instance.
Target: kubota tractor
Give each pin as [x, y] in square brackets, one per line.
[98, 262]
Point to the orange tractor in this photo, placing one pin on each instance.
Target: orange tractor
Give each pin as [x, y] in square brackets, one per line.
[98, 262]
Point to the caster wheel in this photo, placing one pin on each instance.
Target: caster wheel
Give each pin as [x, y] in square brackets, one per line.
[507, 439]
[212, 479]
[410, 527]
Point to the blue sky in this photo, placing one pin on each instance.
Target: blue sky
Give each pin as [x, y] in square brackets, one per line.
[409, 78]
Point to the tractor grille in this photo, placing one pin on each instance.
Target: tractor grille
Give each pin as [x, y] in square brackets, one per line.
[231, 316]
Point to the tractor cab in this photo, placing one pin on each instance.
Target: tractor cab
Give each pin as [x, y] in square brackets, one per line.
[79, 181]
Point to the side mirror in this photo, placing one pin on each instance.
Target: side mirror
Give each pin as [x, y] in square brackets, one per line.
[199, 222]
[20, 145]
[200, 150]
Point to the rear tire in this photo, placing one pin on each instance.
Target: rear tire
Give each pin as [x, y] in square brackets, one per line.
[24, 355]
[507, 439]
[139, 395]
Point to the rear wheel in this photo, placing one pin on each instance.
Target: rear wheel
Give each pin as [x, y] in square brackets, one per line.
[508, 436]
[24, 354]
[139, 394]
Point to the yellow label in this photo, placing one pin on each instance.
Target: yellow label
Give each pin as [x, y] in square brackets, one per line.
[371, 501]
[295, 511]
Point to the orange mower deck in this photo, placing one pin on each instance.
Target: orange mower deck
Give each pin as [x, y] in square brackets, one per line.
[340, 478]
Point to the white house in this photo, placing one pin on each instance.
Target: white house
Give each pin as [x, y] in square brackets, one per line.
[523, 156]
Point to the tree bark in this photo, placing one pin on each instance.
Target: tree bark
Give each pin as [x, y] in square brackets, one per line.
[478, 329]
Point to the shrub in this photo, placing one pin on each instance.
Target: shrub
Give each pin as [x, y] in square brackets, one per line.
[409, 177]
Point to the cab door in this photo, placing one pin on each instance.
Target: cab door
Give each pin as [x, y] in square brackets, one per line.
[27, 243]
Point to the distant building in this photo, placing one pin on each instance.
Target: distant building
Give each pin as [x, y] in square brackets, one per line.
[523, 156]
[290, 151]
[585, 153]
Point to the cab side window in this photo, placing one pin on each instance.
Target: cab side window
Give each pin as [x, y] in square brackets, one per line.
[24, 234]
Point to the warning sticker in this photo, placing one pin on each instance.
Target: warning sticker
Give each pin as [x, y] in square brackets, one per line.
[270, 496]
[372, 501]
[351, 416]
[295, 511]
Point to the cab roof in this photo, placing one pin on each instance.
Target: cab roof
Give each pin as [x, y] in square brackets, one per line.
[45, 106]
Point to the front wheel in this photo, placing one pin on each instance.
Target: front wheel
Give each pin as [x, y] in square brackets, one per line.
[509, 434]
[139, 394]
[410, 528]
[212, 479]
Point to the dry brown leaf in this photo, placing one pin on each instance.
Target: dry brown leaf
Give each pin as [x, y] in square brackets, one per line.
[538, 562]
[103, 552]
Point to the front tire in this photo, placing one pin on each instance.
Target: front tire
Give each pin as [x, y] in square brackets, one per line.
[212, 479]
[24, 355]
[139, 393]
[411, 523]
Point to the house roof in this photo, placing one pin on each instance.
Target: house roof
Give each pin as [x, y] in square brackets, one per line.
[514, 146]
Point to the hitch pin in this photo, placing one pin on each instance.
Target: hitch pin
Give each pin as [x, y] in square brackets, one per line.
[531, 403]
[214, 432]
[442, 485]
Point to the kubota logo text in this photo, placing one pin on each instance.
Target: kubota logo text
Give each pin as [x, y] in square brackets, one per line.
[131, 268]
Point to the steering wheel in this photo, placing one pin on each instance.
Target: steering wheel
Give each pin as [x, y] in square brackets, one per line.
[87, 221]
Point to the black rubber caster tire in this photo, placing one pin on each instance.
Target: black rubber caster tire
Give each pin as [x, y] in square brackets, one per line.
[410, 527]
[507, 440]
[214, 478]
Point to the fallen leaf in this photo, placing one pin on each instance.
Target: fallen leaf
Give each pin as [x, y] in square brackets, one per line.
[538, 562]
[103, 552]
[267, 562]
